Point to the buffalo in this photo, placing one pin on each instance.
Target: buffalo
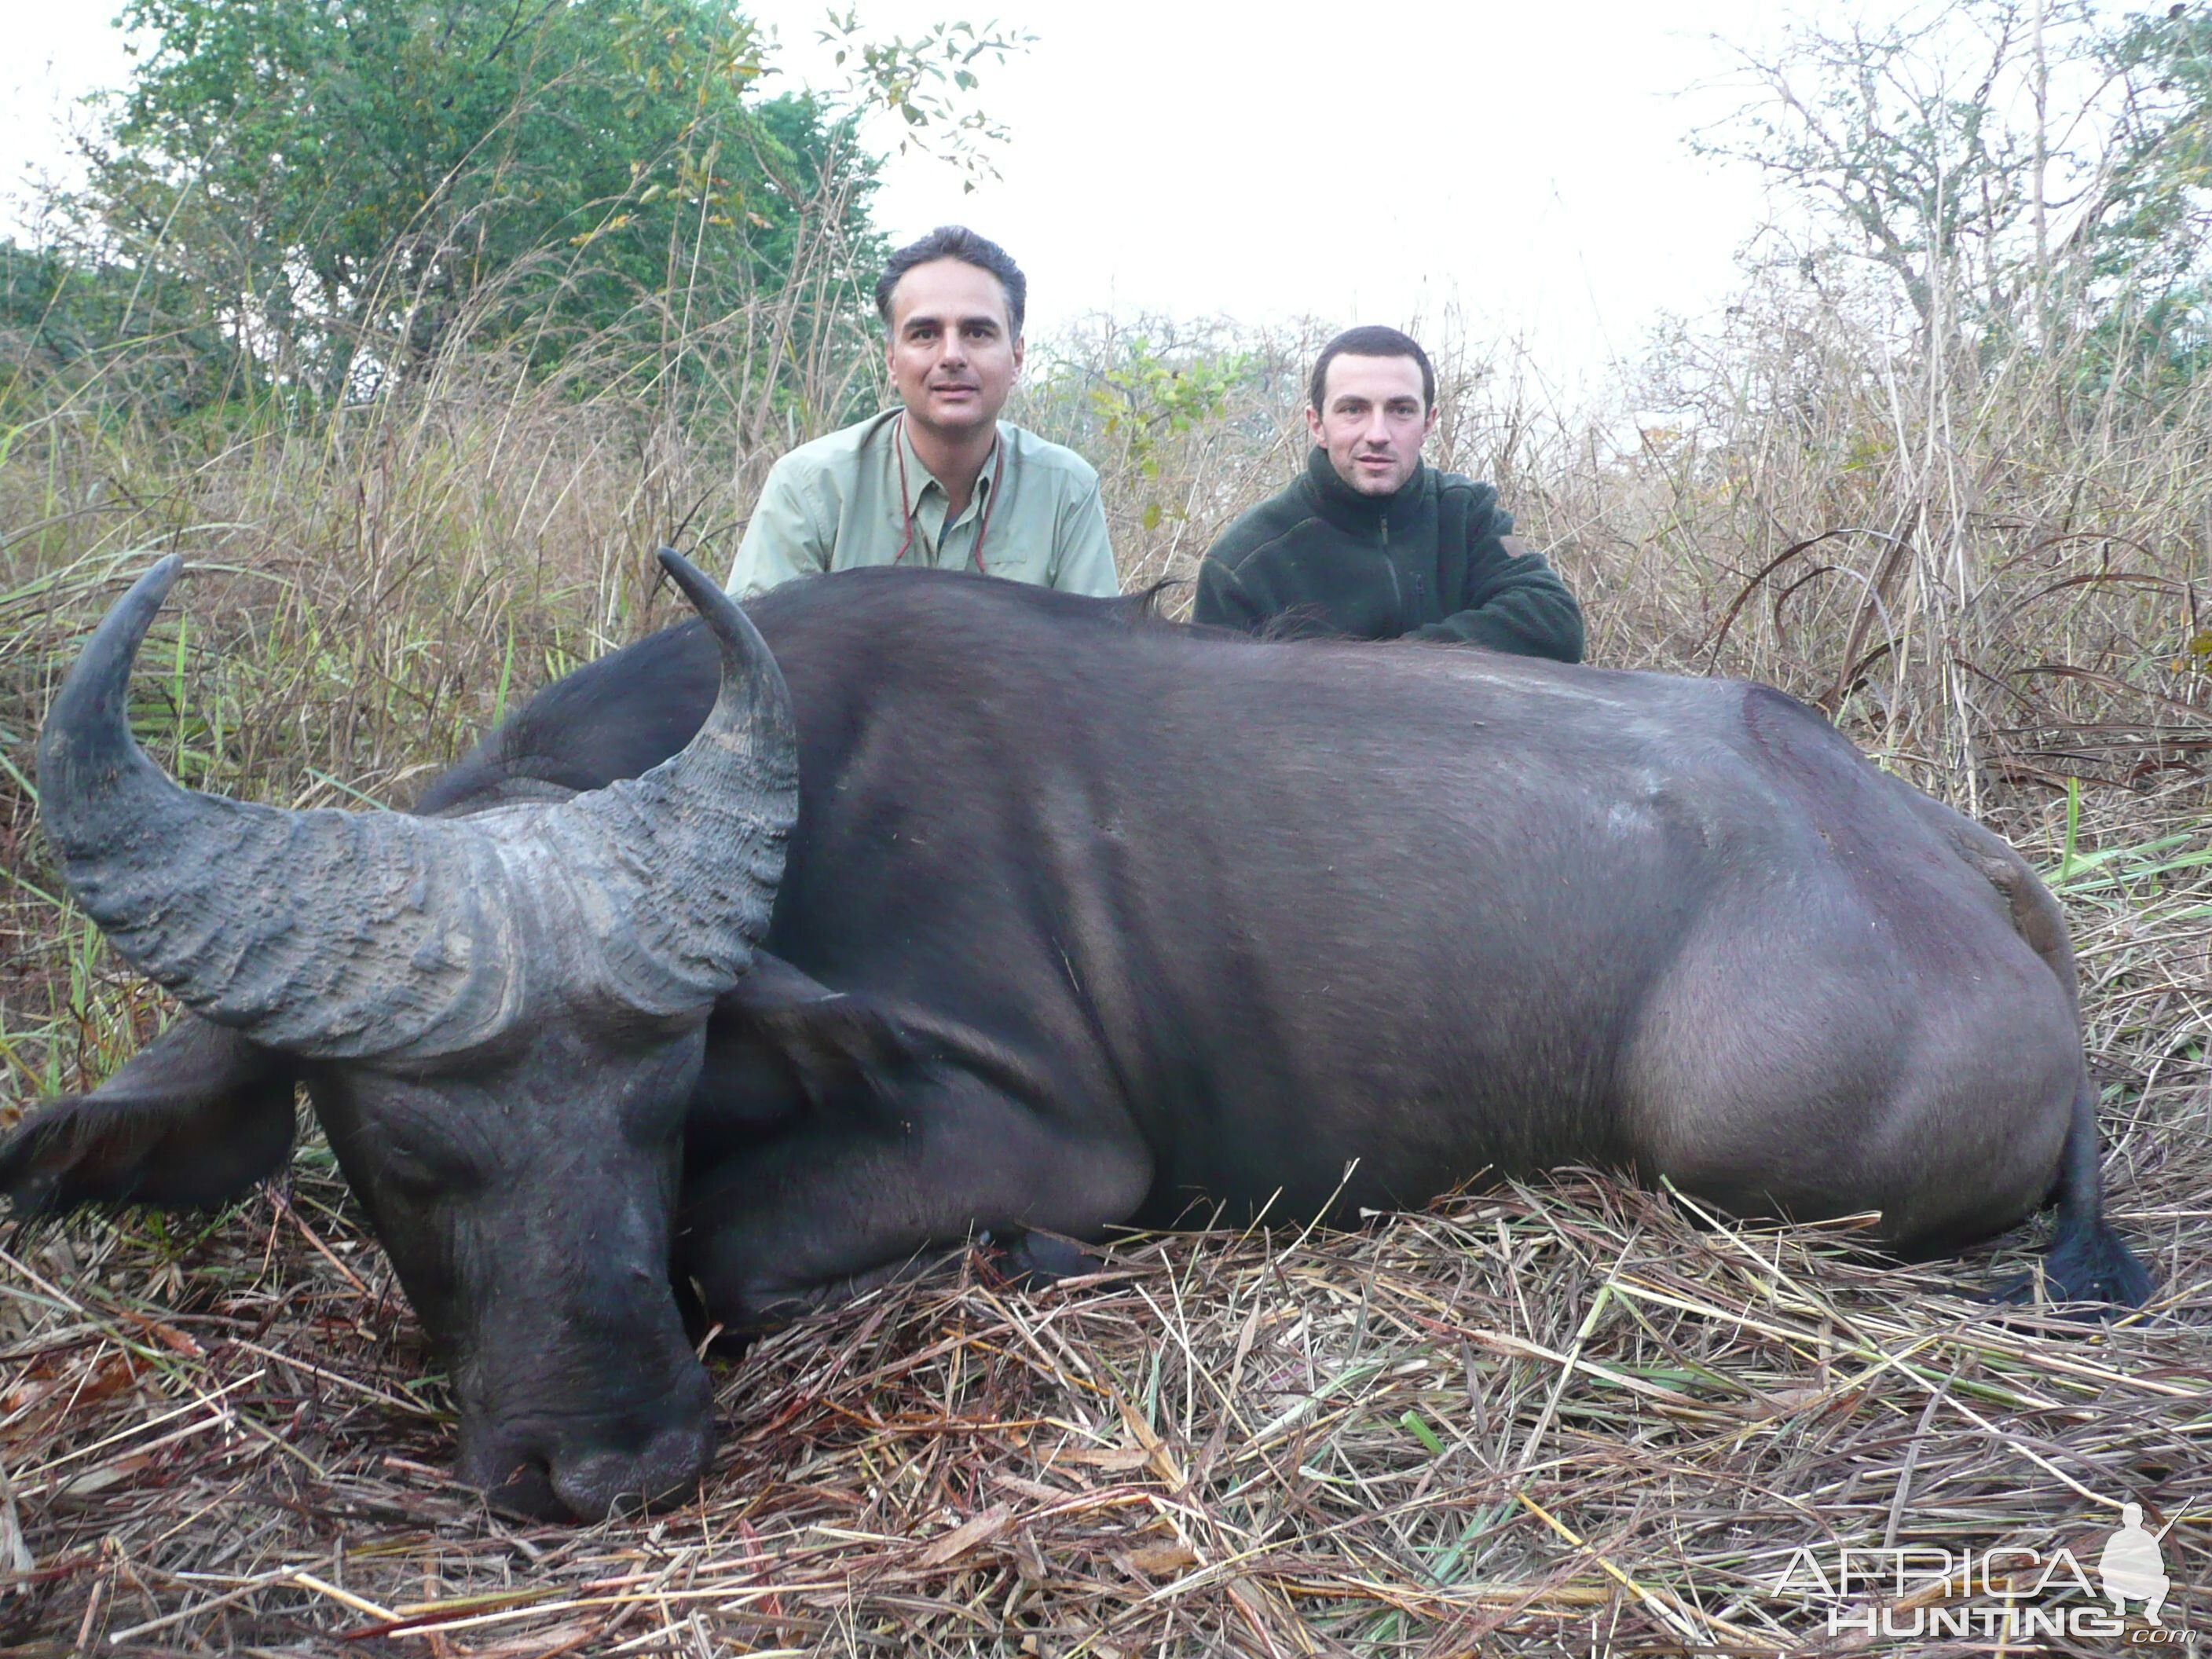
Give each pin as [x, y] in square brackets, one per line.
[753, 961]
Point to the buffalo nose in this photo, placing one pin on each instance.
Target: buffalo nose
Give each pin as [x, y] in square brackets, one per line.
[549, 1470]
[513, 1471]
[667, 1470]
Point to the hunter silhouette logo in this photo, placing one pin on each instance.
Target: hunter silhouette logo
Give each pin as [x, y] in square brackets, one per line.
[2132, 1567]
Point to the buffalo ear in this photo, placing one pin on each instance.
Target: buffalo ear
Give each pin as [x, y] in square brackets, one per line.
[197, 1118]
[847, 1055]
[781, 1045]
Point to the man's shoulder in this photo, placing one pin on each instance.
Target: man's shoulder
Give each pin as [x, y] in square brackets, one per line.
[832, 452]
[1458, 483]
[1471, 504]
[1047, 458]
[1262, 524]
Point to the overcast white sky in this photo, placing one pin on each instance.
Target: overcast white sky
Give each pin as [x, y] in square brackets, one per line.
[1370, 162]
[1359, 163]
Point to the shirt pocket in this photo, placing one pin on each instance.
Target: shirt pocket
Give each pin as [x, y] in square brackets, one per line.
[1028, 559]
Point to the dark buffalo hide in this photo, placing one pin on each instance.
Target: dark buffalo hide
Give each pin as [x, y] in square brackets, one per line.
[1083, 917]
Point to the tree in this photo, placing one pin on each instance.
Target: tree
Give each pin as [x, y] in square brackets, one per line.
[347, 182]
[60, 319]
[2154, 216]
[2154, 221]
[2018, 167]
[1907, 135]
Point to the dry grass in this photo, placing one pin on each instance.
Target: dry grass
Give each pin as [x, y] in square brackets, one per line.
[1568, 1418]
[1561, 1418]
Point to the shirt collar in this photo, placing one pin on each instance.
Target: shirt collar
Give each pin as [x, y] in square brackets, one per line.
[921, 480]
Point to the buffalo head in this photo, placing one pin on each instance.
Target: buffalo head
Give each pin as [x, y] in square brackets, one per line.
[500, 1019]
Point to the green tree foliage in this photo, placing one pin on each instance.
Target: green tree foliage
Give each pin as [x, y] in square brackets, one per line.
[2155, 219]
[326, 173]
[1147, 401]
[61, 317]
[1893, 131]
[330, 193]
[2155, 216]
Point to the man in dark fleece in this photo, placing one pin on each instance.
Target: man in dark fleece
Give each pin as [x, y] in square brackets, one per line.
[1371, 544]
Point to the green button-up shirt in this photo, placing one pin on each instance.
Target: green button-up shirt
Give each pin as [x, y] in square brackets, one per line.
[836, 504]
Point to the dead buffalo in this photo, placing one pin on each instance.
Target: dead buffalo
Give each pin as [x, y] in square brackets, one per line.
[1075, 916]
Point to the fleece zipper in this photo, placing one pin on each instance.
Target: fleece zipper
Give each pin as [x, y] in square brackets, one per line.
[1390, 567]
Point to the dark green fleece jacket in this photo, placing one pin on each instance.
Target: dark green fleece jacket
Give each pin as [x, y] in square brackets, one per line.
[1430, 562]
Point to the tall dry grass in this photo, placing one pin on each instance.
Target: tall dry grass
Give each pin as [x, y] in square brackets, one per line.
[1991, 580]
[1988, 577]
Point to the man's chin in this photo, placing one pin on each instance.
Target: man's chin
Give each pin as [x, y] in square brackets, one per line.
[953, 419]
[1376, 484]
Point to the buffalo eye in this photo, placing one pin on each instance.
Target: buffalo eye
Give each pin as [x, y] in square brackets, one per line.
[420, 1178]
[424, 1164]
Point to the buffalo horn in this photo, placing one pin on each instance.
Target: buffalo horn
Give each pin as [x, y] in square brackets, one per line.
[354, 935]
[680, 865]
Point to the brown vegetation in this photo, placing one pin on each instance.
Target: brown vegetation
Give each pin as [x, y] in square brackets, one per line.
[1566, 1417]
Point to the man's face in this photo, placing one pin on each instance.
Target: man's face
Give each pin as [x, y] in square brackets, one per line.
[952, 352]
[1371, 421]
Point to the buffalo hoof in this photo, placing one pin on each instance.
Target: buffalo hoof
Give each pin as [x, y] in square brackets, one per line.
[1033, 1260]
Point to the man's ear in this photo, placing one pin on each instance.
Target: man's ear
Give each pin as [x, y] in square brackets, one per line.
[197, 1118]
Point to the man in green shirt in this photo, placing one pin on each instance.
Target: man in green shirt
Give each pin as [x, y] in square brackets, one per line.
[940, 482]
[1371, 544]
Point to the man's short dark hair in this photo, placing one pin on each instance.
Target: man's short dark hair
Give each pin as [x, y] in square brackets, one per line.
[1373, 341]
[958, 242]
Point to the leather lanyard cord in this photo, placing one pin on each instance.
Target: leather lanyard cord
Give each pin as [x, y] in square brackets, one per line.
[906, 500]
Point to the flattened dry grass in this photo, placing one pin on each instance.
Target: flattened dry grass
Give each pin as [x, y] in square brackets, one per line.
[1559, 1418]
